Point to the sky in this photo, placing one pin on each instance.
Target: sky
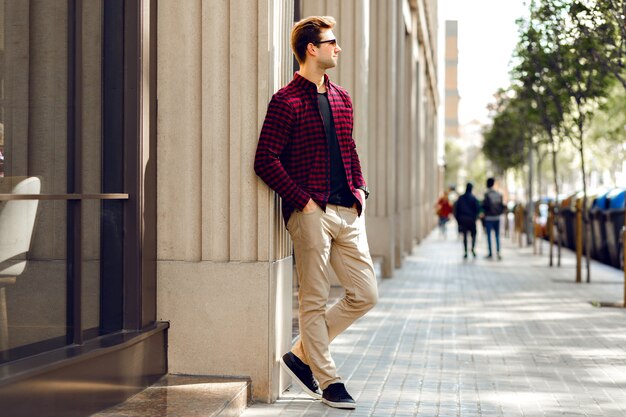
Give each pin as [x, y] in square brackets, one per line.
[487, 37]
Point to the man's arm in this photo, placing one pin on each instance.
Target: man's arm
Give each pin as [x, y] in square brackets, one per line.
[274, 137]
[357, 175]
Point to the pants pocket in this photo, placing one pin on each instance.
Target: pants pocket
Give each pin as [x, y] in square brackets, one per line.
[292, 225]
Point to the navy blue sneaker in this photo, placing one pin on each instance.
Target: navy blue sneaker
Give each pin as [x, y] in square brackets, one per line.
[301, 373]
[335, 395]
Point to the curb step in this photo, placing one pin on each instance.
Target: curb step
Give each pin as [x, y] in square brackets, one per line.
[187, 395]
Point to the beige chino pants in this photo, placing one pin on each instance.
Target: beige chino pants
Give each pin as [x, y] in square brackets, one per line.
[336, 237]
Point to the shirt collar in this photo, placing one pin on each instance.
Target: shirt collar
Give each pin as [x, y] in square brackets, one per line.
[302, 82]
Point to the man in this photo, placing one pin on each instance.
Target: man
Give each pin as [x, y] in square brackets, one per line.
[492, 208]
[306, 153]
[466, 212]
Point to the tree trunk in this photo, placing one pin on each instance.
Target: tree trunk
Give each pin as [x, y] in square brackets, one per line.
[584, 207]
[530, 207]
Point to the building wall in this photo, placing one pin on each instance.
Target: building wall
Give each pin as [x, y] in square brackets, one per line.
[224, 258]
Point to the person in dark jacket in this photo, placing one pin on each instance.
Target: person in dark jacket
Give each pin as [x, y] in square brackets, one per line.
[466, 212]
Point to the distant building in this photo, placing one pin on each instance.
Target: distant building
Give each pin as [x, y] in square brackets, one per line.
[451, 80]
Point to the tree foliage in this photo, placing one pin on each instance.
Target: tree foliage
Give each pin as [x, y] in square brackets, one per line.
[602, 23]
[507, 138]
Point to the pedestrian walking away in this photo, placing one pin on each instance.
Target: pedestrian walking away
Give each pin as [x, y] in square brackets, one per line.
[466, 212]
[493, 207]
[306, 153]
[443, 210]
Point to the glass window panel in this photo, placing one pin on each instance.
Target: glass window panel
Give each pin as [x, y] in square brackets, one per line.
[91, 97]
[35, 142]
[33, 272]
[34, 91]
[102, 272]
[34, 148]
[91, 267]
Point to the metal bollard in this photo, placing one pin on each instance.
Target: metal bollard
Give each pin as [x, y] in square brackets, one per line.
[579, 239]
[521, 220]
[551, 228]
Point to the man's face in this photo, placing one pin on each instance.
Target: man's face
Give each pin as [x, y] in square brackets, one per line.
[328, 50]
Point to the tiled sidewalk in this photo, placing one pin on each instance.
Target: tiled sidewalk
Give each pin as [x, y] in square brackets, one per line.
[481, 338]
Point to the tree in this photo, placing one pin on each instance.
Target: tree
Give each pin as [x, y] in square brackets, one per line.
[603, 24]
[507, 138]
[540, 86]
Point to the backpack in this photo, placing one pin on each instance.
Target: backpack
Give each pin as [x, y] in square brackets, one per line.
[493, 203]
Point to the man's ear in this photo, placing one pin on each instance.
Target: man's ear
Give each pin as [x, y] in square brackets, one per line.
[310, 48]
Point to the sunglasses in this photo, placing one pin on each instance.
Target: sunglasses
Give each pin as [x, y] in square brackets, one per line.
[332, 42]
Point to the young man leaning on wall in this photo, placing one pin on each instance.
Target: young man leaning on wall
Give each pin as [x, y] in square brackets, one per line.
[306, 153]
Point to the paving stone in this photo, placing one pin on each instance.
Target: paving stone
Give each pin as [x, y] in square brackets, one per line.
[481, 338]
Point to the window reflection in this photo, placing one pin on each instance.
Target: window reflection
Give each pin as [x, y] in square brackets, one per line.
[36, 141]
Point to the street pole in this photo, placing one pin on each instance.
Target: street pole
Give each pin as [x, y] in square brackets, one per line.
[530, 232]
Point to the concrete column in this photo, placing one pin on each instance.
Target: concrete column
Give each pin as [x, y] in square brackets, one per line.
[421, 157]
[224, 258]
[407, 190]
[414, 149]
[179, 94]
[426, 14]
[404, 222]
[381, 218]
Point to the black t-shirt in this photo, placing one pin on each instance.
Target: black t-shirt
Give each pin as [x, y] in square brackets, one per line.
[340, 193]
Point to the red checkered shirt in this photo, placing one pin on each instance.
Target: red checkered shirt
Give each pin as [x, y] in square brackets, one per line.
[292, 155]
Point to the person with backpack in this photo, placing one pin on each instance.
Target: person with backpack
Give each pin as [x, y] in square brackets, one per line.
[492, 209]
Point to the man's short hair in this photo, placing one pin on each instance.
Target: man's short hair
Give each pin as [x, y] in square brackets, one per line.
[490, 182]
[308, 31]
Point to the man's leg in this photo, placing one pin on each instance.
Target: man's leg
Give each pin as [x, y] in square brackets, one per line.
[496, 228]
[488, 227]
[464, 243]
[312, 243]
[350, 258]
[473, 232]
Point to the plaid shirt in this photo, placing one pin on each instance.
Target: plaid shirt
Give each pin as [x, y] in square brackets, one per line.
[292, 155]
